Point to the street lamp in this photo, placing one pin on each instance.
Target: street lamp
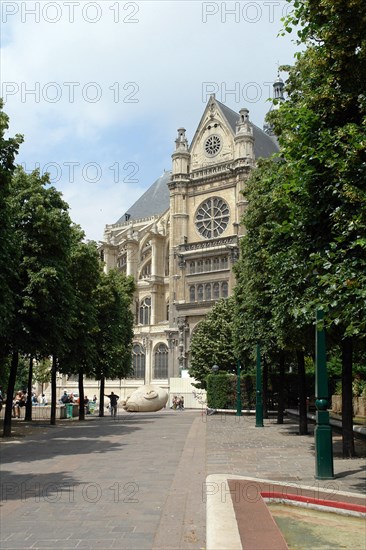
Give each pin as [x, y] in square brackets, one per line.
[323, 431]
[259, 402]
[238, 391]
[215, 369]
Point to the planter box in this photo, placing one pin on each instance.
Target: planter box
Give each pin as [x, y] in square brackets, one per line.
[359, 405]
[337, 403]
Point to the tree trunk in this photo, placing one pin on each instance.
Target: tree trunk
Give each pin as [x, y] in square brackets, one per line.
[53, 390]
[265, 388]
[101, 396]
[28, 404]
[81, 394]
[348, 445]
[303, 419]
[281, 389]
[10, 394]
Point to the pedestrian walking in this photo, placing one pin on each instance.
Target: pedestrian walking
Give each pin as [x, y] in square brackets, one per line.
[113, 398]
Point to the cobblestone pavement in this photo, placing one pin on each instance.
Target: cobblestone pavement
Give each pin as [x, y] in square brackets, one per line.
[138, 482]
[106, 483]
[276, 452]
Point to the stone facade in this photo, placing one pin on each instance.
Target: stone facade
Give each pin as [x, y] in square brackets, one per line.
[181, 238]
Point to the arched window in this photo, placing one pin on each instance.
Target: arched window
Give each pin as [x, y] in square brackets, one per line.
[208, 291]
[192, 267]
[146, 270]
[160, 362]
[166, 262]
[216, 264]
[199, 266]
[224, 262]
[200, 293]
[216, 291]
[224, 289]
[208, 265]
[192, 293]
[145, 311]
[138, 362]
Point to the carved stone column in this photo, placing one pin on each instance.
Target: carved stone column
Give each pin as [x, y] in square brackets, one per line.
[182, 337]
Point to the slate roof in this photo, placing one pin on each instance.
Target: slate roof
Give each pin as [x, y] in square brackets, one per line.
[155, 200]
[264, 145]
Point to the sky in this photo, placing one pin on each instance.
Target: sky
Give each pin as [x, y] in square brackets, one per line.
[99, 89]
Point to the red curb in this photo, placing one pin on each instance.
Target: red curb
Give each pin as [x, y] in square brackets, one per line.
[318, 501]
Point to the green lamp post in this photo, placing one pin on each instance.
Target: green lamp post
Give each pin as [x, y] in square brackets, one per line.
[238, 391]
[259, 401]
[323, 430]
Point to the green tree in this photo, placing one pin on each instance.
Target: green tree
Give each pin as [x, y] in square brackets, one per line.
[80, 355]
[321, 130]
[213, 342]
[270, 275]
[42, 230]
[115, 328]
[8, 150]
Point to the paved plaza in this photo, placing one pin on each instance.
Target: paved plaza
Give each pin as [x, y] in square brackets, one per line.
[139, 482]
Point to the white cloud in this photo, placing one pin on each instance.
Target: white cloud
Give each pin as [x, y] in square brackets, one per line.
[162, 61]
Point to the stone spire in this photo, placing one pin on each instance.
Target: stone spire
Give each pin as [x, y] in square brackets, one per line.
[181, 155]
[278, 97]
[278, 86]
[244, 140]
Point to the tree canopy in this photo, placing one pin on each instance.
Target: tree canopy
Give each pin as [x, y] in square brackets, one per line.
[212, 342]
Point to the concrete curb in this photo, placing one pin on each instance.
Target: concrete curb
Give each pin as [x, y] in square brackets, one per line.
[221, 525]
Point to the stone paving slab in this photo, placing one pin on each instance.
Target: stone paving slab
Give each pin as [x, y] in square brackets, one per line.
[277, 452]
[140, 481]
[102, 483]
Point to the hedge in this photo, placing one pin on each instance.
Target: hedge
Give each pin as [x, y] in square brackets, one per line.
[222, 390]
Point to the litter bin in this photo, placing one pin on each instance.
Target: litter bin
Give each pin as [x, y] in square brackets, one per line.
[69, 410]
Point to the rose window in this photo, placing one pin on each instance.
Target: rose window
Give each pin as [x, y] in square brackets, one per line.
[212, 217]
[212, 145]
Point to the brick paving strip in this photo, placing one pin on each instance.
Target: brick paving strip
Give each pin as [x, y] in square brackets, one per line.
[248, 498]
[185, 497]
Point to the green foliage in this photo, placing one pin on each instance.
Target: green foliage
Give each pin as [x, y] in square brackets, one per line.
[217, 390]
[321, 129]
[247, 389]
[114, 336]
[80, 351]
[338, 388]
[8, 150]
[304, 246]
[42, 370]
[42, 230]
[212, 342]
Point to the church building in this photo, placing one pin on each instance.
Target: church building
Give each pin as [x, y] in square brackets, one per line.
[181, 238]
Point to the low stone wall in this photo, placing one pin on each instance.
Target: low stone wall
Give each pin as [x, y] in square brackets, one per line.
[43, 412]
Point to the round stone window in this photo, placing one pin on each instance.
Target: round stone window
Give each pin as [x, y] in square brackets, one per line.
[213, 145]
[212, 217]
